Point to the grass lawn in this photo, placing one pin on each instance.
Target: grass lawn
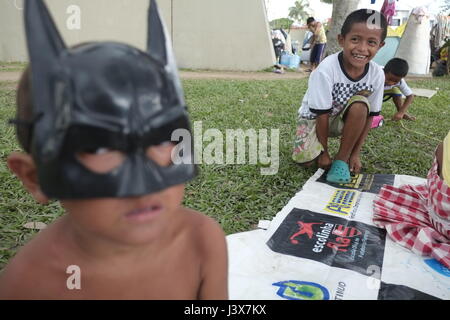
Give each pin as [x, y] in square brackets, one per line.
[238, 196]
[12, 66]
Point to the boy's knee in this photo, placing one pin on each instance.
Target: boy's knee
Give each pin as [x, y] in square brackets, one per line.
[357, 109]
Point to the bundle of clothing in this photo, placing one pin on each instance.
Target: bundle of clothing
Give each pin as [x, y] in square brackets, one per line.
[388, 10]
[418, 217]
[440, 44]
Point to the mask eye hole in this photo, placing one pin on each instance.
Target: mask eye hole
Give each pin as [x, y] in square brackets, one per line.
[161, 154]
[101, 160]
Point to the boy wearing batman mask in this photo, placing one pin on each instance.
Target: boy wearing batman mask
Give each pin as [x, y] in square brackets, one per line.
[96, 123]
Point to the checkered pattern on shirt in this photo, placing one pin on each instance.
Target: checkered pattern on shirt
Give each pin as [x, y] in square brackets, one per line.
[344, 91]
[417, 217]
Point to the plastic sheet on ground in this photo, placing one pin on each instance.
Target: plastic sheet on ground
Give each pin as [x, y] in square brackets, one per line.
[323, 245]
[424, 92]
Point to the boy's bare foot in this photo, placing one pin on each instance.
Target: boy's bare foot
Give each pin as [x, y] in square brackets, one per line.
[409, 117]
[324, 161]
[308, 164]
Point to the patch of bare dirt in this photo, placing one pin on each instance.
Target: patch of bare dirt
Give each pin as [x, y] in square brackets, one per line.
[227, 75]
[10, 75]
[6, 75]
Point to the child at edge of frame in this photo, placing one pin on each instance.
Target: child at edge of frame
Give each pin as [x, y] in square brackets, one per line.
[417, 217]
[101, 145]
[344, 93]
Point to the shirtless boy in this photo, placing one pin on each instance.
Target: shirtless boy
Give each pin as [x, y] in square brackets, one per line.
[95, 122]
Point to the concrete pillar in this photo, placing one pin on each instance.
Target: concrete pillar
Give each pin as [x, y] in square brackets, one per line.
[414, 45]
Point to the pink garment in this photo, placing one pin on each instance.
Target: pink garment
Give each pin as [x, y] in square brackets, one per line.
[388, 10]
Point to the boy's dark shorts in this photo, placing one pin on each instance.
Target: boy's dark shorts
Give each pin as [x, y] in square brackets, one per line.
[391, 93]
[317, 52]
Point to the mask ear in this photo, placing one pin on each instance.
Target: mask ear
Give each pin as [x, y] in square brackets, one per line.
[44, 41]
[159, 47]
[45, 47]
[157, 42]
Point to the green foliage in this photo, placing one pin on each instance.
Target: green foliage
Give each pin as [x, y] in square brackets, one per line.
[238, 196]
[282, 23]
[12, 66]
[300, 11]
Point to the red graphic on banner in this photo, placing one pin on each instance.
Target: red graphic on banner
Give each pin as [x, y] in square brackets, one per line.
[341, 240]
[305, 228]
[343, 231]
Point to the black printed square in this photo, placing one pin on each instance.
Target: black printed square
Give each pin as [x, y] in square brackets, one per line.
[331, 240]
[362, 182]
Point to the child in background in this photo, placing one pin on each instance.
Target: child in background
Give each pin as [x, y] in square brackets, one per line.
[279, 44]
[344, 93]
[418, 216]
[96, 123]
[319, 41]
[395, 87]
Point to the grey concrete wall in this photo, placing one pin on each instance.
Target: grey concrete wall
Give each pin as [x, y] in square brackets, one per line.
[12, 37]
[206, 34]
[100, 20]
[414, 45]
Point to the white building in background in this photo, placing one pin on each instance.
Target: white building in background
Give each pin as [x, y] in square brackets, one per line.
[403, 10]
[401, 17]
[206, 34]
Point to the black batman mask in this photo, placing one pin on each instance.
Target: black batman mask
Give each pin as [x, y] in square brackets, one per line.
[103, 95]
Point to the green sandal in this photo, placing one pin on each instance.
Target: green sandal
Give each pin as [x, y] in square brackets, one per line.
[339, 172]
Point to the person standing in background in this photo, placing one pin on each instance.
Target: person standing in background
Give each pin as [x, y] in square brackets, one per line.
[319, 41]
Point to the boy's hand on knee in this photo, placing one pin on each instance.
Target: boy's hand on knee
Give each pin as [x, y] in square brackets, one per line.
[324, 160]
[355, 164]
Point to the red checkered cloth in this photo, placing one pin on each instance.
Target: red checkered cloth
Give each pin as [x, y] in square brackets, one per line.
[417, 217]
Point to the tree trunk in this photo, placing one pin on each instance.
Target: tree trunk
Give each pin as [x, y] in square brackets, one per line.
[341, 9]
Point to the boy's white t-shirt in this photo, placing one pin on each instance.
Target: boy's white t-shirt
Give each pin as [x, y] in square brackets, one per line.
[329, 88]
[403, 86]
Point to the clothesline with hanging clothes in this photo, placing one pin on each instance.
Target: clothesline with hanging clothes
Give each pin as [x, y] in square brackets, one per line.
[373, 1]
[388, 10]
[441, 30]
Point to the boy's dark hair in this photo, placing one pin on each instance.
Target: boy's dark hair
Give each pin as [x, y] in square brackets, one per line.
[398, 67]
[368, 16]
[309, 20]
